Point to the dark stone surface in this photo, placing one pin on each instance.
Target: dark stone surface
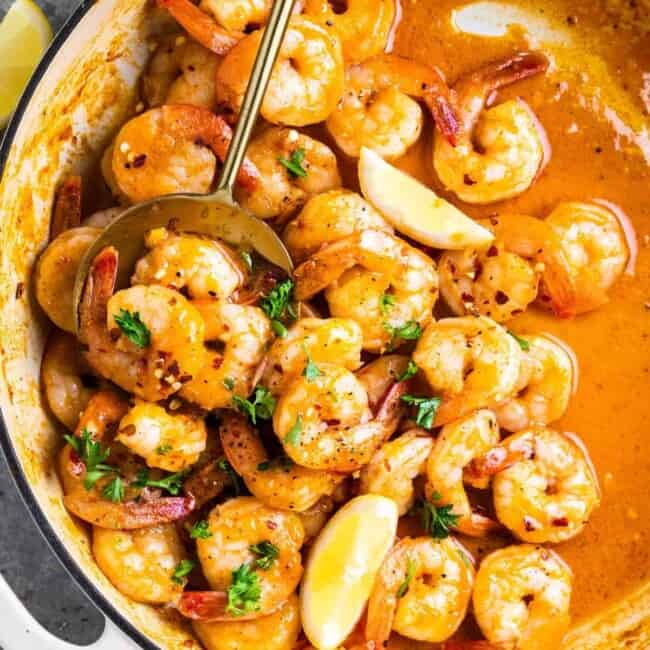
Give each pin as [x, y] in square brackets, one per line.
[25, 560]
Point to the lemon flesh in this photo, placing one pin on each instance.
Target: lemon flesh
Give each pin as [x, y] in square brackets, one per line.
[342, 566]
[24, 36]
[415, 210]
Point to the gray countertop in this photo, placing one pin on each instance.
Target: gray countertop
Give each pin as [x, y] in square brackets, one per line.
[25, 560]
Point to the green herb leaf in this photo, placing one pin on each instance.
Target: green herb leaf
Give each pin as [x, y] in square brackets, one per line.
[410, 331]
[294, 163]
[247, 259]
[410, 574]
[183, 568]
[244, 592]
[386, 303]
[279, 328]
[437, 520]
[427, 409]
[278, 302]
[311, 371]
[262, 405]
[293, 437]
[114, 491]
[229, 383]
[133, 328]
[200, 530]
[172, 483]
[92, 455]
[233, 477]
[523, 343]
[163, 449]
[411, 371]
[268, 553]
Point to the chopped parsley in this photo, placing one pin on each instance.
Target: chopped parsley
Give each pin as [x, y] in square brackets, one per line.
[233, 477]
[311, 371]
[228, 383]
[523, 343]
[172, 483]
[267, 554]
[114, 491]
[92, 455]
[183, 568]
[406, 583]
[293, 437]
[244, 592]
[411, 371]
[133, 328]
[200, 530]
[293, 164]
[427, 409]
[261, 406]
[162, 450]
[410, 331]
[437, 520]
[279, 328]
[279, 300]
[386, 303]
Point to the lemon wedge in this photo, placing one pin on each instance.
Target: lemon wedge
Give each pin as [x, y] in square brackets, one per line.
[342, 567]
[24, 36]
[415, 210]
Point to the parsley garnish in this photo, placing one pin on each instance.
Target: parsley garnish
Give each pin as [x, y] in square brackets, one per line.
[311, 371]
[200, 530]
[233, 477]
[183, 568]
[268, 553]
[386, 303]
[172, 482]
[410, 574]
[293, 437]
[92, 455]
[410, 331]
[114, 491]
[279, 328]
[229, 383]
[437, 520]
[163, 449]
[244, 593]
[278, 302]
[133, 328]
[294, 163]
[262, 406]
[411, 371]
[427, 409]
[523, 343]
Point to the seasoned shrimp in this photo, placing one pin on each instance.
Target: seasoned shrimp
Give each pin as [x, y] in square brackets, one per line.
[438, 575]
[460, 442]
[328, 217]
[392, 470]
[503, 279]
[546, 383]
[472, 361]
[168, 351]
[244, 332]
[521, 598]
[140, 563]
[377, 110]
[56, 271]
[315, 339]
[278, 483]
[285, 189]
[171, 149]
[307, 80]
[181, 71]
[544, 485]
[379, 375]
[594, 242]
[376, 279]
[277, 631]
[235, 527]
[499, 151]
[202, 267]
[325, 422]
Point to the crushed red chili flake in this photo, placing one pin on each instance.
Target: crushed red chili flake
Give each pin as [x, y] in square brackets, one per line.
[501, 298]
[140, 160]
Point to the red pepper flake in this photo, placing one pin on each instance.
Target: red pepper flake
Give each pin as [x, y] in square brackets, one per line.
[493, 251]
[140, 160]
[501, 298]
[271, 525]
[561, 522]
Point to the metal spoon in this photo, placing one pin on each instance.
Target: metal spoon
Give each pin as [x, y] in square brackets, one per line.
[217, 214]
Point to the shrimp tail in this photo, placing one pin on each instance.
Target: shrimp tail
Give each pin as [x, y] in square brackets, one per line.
[206, 483]
[521, 66]
[67, 207]
[208, 606]
[499, 458]
[390, 406]
[445, 115]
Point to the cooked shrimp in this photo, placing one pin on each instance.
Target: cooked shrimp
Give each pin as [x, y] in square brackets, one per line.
[283, 191]
[379, 375]
[377, 110]
[141, 563]
[376, 279]
[278, 483]
[545, 385]
[521, 598]
[325, 422]
[244, 333]
[169, 350]
[502, 280]
[235, 527]
[328, 217]
[594, 242]
[318, 340]
[171, 149]
[56, 271]
[472, 362]
[544, 486]
[460, 442]
[277, 631]
[392, 470]
[202, 267]
[422, 591]
[181, 71]
[500, 150]
[307, 80]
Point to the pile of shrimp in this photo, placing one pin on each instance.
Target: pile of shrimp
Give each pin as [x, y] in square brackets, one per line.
[217, 413]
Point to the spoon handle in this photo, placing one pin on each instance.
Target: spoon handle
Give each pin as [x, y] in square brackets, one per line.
[259, 80]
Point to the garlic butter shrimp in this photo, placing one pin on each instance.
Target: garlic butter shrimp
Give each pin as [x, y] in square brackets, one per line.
[379, 375]
[317, 339]
[307, 80]
[328, 217]
[500, 150]
[140, 563]
[521, 598]
[235, 526]
[244, 332]
[456, 446]
[201, 267]
[181, 71]
[392, 470]
[277, 631]
[437, 594]
[546, 383]
[503, 279]
[278, 483]
[325, 422]
[594, 242]
[282, 191]
[167, 353]
[56, 271]
[378, 108]
[173, 148]
[544, 485]
[472, 362]
[374, 278]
